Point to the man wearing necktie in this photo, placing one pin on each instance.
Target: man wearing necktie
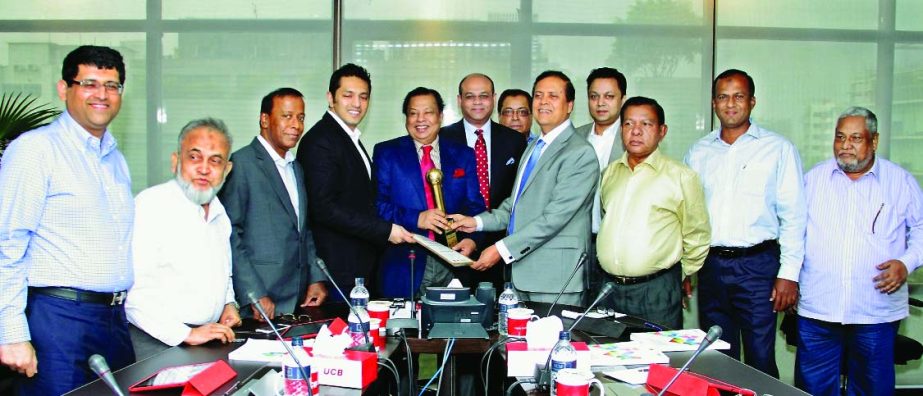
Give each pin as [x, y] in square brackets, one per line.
[405, 197]
[547, 217]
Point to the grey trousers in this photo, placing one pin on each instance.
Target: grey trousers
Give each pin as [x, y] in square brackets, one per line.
[145, 345]
[659, 300]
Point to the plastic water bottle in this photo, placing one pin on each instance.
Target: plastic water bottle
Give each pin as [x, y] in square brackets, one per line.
[563, 356]
[358, 325]
[296, 384]
[508, 299]
[359, 295]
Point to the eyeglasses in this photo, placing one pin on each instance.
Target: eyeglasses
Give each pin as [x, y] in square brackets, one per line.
[293, 319]
[523, 112]
[93, 85]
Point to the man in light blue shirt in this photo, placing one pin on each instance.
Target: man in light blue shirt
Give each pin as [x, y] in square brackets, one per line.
[65, 235]
[864, 234]
[755, 196]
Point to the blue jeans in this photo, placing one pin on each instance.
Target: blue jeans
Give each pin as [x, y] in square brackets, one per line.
[868, 351]
[65, 334]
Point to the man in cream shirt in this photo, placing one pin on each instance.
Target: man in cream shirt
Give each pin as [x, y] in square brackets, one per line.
[181, 249]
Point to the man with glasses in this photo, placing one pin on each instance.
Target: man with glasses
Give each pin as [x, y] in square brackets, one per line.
[514, 109]
[181, 249]
[864, 235]
[496, 152]
[65, 231]
[755, 197]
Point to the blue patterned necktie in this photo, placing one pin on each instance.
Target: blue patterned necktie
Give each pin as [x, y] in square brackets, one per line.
[533, 159]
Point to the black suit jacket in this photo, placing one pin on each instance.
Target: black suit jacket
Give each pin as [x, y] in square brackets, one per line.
[505, 145]
[348, 233]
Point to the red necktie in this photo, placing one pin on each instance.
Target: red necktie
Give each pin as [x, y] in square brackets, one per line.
[480, 157]
[426, 163]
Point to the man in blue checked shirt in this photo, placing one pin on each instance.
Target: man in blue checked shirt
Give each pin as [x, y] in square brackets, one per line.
[864, 235]
[65, 230]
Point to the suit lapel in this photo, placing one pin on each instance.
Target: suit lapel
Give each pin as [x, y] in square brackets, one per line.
[549, 155]
[268, 166]
[410, 166]
[347, 142]
[302, 196]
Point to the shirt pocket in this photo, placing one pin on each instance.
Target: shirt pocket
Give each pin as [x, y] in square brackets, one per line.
[754, 178]
[884, 223]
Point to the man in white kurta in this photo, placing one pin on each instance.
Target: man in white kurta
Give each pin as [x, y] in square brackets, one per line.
[181, 249]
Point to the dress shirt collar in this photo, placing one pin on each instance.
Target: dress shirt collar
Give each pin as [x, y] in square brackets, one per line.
[215, 208]
[554, 133]
[354, 134]
[609, 131]
[754, 131]
[280, 162]
[470, 128]
[78, 134]
[419, 146]
[655, 160]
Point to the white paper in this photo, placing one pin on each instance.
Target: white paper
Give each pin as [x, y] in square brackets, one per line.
[634, 376]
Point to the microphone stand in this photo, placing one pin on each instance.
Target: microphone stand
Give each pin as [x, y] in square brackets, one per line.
[259, 308]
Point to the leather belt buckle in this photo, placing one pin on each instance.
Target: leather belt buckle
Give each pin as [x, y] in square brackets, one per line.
[118, 298]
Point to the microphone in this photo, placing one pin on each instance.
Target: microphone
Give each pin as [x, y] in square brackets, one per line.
[368, 346]
[101, 368]
[580, 262]
[543, 374]
[256, 303]
[713, 334]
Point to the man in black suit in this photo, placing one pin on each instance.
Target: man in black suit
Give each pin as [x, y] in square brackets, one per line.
[503, 147]
[338, 175]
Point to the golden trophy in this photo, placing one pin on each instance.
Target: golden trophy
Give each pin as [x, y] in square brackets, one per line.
[434, 177]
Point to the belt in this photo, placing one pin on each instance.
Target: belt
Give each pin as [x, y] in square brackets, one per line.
[634, 280]
[114, 298]
[732, 252]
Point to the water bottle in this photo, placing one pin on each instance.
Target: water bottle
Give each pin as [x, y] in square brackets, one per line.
[508, 299]
[563, 356]
[358, 325]
[296, 384]
[359, 295]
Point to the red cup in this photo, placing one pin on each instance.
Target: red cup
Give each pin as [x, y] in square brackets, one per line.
[380, 310]
[375, 333]
[573, 382]
[517, 320]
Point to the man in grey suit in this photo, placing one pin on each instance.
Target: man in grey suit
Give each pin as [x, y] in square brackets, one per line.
[547, 218]
[605, 91]
[272, 246]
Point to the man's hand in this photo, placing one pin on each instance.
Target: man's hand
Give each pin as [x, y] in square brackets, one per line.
[433, 220]
[489, 258]
[208, 332]
[463, 223]
[784, 295]
[466, 247]
[687, 291]
[20, 357]
[230, 317]
[315, 296]
[400, 235]
[892, 276]
[268, 306]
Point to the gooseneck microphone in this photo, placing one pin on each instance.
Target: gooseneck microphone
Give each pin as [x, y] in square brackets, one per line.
[368, 346]
[543, 373]
[101, 368]
[713, 334]
[304, 374]
[580, 262]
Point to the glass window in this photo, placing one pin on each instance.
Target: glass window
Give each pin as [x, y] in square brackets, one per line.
[803, 86]
[71, 10]
[841, 14]
[907, 15]
[406, 10]
[247, 9]
[906, 134]
[31, 63]
[643, 12]
[225, 75]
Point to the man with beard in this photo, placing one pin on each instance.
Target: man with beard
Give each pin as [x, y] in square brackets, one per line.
[181, 249]
[864, 234]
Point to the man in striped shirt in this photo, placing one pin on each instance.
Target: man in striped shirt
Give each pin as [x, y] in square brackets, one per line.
[864, 234]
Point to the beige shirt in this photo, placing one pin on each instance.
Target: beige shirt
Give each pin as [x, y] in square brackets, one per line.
[653, 217]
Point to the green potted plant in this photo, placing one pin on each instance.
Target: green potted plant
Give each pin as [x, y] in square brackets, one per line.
[19, 113]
